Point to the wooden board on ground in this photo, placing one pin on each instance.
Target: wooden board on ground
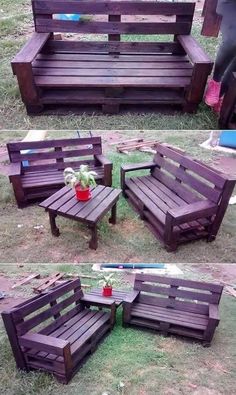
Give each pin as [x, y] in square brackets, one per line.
[26, 280]
[48, 282]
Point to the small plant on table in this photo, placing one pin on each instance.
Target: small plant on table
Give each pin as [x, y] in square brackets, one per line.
[107, 283]
[81, 180]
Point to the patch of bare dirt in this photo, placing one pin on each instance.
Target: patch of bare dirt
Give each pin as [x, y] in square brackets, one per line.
[225, 272]
[10, 298]
[227, 164]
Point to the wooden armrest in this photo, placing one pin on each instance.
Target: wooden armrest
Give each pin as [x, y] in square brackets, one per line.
[137, 166]
[97, 301]
[193, 49]
[31, 48]
[103, 160]
[40, 342]
[130, 298]
[214, 312]
[192, 211]
[14, 169]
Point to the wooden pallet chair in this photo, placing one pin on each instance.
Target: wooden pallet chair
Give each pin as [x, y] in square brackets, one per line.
[181, 199]
[44, 174]
[55, 331]
[113, 72]
[174, 306]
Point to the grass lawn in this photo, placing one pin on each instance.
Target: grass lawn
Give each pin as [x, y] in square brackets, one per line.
[16, 27]
[26, 235]
[147, 363]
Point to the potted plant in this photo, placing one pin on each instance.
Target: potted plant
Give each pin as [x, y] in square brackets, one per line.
[107, 283]
[81, 180]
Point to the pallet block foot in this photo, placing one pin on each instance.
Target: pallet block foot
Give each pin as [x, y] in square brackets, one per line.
[110, 108]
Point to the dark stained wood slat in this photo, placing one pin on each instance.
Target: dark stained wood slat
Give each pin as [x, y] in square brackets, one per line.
[104, 206]
[146, 200]
[200, 168]
[94, 328]
[114, 7]
[118, 58]
[169, 319]
[74, 82]
[104, 47]
[80, 205]
[53, 25]
[180, 282]
[73, 64]
[74, 206]
[42, 144]
[178, 315]
[112, 73]
[174, 312]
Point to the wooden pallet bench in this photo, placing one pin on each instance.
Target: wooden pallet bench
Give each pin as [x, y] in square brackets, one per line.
[110, 73]
[60, 345]
[44, 175]
[173, 305]
[181, 199]
[227, 119]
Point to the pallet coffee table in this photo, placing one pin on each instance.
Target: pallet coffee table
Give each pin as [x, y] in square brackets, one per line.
[64, 203]
[117, 295]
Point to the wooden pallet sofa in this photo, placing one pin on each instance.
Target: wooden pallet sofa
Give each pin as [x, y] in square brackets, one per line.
[58, 346]
[181, 199]
[47, 160]
[112, 72]
[227, 119]
[173, 305]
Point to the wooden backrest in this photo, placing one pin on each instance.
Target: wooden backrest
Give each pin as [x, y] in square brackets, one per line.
[189, 178]
[115, 17]
[169, 292]
[46, 312]
[55, 154]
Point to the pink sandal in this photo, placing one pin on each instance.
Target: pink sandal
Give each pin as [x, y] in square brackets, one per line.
[212, 94]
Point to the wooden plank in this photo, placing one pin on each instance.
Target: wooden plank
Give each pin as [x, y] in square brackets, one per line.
[203, 170]
[26, 280]
[34, 156]
[105, 47]
[111, 65]
[180, 293]
[112, 7]
[35, 340]
[25, 145]
[63, 26]
[171, 82]
[43, 300]
[102, 319]
[80, 205]
[48, 282]
[30, 49]
[44, 315]
[107, 73]
[190, 180]
[119, 58]
[104, 206]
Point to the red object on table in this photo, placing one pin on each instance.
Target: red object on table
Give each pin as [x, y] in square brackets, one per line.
[82, 194]
[107, 291]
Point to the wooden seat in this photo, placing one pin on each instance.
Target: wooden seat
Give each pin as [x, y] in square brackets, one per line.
[46, 335]
[112, 72]
[46, 161]
[173, 305]
[181, 199]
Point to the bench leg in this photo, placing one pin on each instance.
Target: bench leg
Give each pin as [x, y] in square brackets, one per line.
[112, 219]
[34, 109]
[93, 244]
[110, 108]
[54, 228]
